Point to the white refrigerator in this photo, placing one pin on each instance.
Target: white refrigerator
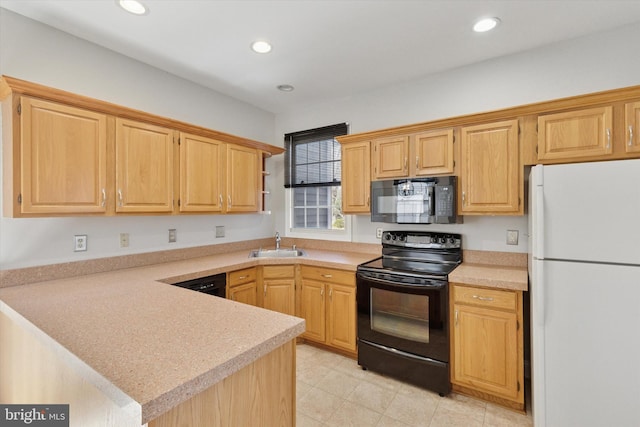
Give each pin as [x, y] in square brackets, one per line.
[584, 270]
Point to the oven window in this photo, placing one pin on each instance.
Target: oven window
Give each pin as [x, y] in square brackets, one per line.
[400, 315]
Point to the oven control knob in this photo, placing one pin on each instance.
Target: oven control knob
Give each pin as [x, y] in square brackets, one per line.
[401, 238]
[434, 240]
[387, 236]
[452, 240]
[442, 240]
[394, 237]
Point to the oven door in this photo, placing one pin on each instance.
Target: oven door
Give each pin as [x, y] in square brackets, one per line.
[410, 317]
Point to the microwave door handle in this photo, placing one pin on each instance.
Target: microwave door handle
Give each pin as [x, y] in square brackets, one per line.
[431, 192]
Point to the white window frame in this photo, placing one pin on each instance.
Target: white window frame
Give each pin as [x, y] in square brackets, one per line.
[314, 233]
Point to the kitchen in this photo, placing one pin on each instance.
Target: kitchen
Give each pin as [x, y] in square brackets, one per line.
[27, 45]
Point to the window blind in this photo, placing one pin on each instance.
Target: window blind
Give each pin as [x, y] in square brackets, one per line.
[312, 157]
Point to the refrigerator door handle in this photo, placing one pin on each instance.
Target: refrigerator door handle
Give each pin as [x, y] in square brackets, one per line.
[538, 215]
[538, 294]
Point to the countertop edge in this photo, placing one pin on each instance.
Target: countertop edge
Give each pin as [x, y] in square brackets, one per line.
[491, 276]
[120, 398]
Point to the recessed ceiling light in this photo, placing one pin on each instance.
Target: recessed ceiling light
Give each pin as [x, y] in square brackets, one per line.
[285, 88]
[133, 6]
[485, 25]
[261, 46]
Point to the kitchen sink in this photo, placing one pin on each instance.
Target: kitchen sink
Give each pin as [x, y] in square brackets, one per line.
[276, 253]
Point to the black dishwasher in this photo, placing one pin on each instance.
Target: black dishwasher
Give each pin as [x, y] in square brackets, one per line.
[212, 285]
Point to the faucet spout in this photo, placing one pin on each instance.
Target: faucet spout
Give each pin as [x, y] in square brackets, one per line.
[277, 240]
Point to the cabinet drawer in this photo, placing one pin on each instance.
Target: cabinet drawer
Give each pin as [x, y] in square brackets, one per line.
[491, 298]
[242, 276]
[277, 271]
[320, 274]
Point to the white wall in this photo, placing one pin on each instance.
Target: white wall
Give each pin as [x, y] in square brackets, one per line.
[599, 62]
[38, 53]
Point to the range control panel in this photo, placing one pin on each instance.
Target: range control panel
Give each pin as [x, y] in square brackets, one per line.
[422, 239]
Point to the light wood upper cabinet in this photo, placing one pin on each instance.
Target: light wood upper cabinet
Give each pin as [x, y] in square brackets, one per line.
[632, 127]
[575, 134]
[356, 177]
[144, 167]
[63, 161]
[391, 157]
[491, 180]
[202, 174]
[243, 182]
[487, 343]
[432, 153]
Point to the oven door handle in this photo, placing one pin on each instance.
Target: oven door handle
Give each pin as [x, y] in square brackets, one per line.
[438, 285]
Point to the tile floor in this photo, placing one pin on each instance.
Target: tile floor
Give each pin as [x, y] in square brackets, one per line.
[332, 390]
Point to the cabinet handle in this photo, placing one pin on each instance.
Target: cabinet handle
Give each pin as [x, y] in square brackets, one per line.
[120, 197]
[630, 135]
[368, 200]
[330, 294]
[265, 290]
[456, 317]
[328, 276]
[322, 292]
[242, 277]
[463, 198]
[405, 163]
[104, 198]
[229, 199]
[417, 164]
[221, 200]
[608, 138]
[483, 298]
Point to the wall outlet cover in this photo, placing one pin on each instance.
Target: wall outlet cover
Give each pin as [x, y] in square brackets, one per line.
[512, 237]
[379, 233]
[124, 240]
[219, 231]
[80, 242]
[172, 235]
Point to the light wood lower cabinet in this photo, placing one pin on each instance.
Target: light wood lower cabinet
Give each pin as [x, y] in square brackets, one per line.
[279, 288]
[487, 344]
[242, 286]
[328, 305]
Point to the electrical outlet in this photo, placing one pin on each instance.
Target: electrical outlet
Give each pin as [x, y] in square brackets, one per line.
[512, 237]
[124, 240]
[172, 235]
[219, 231]
[80, 241]
[379, 233]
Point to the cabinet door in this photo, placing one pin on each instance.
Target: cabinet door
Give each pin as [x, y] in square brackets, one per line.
[64, 159]
[202, 174]
[144, 167]
[391, 157]
[312, 305]
[279, 295]
[490, 180]
[342, 317]
[486, 350]
[245, 293]
[242, 179]
[432, 153]
[632, 127]
[575, 134]
[356, 177]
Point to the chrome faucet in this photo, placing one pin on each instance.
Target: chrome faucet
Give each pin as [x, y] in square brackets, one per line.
[277, 240]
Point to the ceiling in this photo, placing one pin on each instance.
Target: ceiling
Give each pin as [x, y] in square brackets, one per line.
[326, 49]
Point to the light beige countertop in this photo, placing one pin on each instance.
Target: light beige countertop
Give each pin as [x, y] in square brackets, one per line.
[148, 345]
[491, 276]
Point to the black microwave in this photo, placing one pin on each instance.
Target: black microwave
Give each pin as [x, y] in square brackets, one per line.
[429, 200]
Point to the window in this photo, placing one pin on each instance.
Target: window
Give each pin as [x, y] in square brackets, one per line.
[312, 173]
